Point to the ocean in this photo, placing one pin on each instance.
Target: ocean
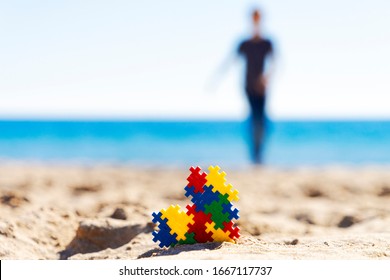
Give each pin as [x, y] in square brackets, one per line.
[172, 143]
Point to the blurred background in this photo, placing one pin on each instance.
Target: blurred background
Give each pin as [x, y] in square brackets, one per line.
[135, 82]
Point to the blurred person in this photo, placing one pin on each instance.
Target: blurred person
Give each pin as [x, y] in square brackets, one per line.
[258, 53]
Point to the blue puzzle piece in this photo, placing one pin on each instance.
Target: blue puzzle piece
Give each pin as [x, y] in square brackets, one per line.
[162, 223]
[190, 192]
[201, 199]
[157, 218]
[233, 212]
[166, 239]
[163, 235]
[207, 197]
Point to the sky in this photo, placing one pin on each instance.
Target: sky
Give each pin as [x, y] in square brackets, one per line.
[128, 59]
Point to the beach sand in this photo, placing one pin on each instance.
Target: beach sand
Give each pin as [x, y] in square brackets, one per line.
[104, 212]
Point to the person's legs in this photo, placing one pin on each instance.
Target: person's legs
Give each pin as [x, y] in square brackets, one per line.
[257, 106]
[258, 131]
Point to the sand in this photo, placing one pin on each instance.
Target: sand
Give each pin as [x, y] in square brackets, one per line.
[104, 212]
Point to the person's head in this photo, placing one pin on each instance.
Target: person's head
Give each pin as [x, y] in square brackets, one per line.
[256, 20]
[256, 16]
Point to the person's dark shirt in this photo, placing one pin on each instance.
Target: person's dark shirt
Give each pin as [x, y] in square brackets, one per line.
[255, 52]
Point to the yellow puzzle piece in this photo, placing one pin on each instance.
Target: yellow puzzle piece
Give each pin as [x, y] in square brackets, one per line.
[218, 234]
[178, 221]
[217, 180]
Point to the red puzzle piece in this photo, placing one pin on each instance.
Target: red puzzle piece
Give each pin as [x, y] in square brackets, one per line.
[199, 226]
[197, 179]
[234, 231]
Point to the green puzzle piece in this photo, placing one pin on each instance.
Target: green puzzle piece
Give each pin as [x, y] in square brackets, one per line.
[217, 215]
[223, 199]
[189, 238]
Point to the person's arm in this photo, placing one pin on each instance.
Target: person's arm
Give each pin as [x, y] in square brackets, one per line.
[231, 59]
[269, 68]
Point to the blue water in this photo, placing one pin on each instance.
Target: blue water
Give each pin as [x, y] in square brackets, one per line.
[289, 143]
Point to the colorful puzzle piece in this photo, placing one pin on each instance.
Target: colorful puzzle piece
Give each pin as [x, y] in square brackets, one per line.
[197, 179]
[199, 227]
[209, 218]
[218, 234]
[178, 221]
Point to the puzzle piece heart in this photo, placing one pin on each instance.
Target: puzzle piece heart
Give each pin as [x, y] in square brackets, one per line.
[209, 218]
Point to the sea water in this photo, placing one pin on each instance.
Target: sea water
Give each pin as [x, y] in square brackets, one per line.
[287, 143]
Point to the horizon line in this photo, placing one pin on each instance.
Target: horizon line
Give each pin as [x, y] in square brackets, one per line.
[186, 119]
